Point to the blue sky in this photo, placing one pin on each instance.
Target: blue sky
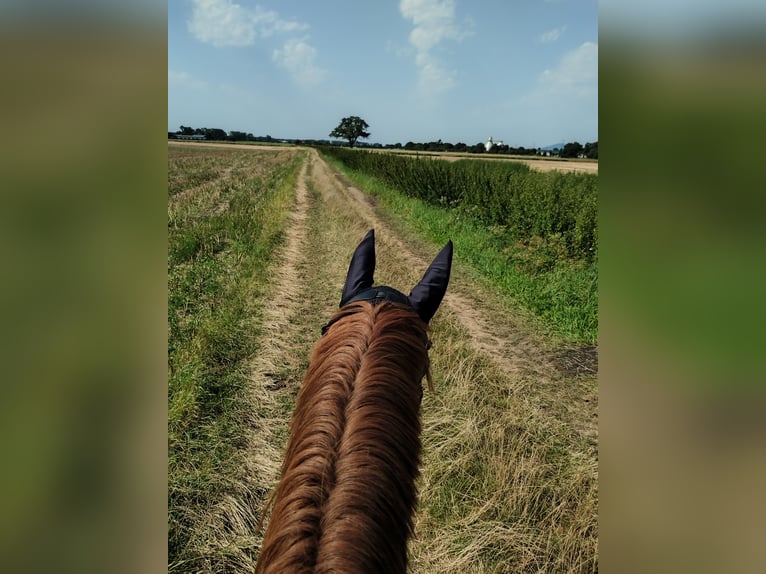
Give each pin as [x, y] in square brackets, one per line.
[522, 71]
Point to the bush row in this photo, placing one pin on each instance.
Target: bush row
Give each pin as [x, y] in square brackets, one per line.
[526, 203]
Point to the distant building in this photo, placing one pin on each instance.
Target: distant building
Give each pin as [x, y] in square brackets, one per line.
[490, 144]
[190, 137]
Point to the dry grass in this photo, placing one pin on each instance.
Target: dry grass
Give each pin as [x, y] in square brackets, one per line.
[506, 487]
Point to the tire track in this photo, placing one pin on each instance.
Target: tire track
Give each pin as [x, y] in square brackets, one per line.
[283, 303]
[234, 522]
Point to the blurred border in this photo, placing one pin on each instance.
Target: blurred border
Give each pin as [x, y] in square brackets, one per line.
[83, 237]
[682, 278]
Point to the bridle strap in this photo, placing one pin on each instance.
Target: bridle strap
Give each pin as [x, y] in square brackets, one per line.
[374, 295]
[381, 293]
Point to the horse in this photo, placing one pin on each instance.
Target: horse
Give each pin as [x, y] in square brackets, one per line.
[347, 494]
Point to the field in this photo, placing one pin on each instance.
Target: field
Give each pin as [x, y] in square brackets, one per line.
[534, 162]
[259, 244]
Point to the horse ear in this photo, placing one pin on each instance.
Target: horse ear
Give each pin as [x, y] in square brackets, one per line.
[361, 269]
[427, 295]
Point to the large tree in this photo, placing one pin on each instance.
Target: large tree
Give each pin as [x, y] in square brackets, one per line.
[351, 128]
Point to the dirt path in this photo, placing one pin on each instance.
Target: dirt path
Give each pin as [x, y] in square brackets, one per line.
[284, 303]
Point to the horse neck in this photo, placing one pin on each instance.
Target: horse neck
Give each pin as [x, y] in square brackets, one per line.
[347, 493]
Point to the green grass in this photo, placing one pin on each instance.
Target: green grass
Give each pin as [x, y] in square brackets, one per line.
[526, 203]
[536, 273]
[220, 244]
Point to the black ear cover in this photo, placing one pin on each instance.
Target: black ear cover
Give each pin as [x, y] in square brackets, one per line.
[361, 269]
[427, 295]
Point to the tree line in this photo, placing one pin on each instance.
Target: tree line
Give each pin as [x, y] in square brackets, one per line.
[218, 134]
[352, 131]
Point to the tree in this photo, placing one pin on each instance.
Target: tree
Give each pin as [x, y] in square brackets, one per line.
[351, 128]
[572, 149]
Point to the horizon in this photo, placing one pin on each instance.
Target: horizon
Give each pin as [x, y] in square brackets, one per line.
[366, 143]
[415, 70]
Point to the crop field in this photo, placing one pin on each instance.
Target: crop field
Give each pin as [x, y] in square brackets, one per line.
[259, 242]
[540, 163]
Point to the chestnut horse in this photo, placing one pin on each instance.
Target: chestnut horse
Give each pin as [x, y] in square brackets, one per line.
[347, 494]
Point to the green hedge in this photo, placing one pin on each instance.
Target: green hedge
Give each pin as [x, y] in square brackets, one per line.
[526, 203]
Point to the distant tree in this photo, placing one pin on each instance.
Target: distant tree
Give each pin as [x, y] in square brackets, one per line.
[351, 128]
[591, 150]
[214, 134]
[186, 131]
[572, 149]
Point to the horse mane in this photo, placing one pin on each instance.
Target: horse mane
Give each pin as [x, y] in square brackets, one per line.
[347, 494]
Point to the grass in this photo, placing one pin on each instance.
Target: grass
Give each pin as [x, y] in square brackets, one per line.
[507, 486]
[525, 203]
[536, 273]
[509, 473]
[221, 237]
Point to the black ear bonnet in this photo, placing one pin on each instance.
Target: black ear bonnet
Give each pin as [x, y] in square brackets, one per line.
[424, 298]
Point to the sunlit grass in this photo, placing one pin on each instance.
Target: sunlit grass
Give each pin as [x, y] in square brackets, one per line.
[537, 274]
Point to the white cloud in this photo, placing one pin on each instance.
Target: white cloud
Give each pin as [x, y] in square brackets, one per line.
[434, 78]
[433, 23]
[299, 58]
[562, 104]
[270, 22]
[551, 35]
[186, 81]
[576, 74]
[224, 23]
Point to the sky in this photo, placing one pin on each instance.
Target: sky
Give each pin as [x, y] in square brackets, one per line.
[524, 72]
